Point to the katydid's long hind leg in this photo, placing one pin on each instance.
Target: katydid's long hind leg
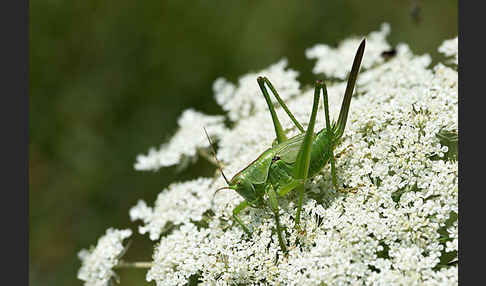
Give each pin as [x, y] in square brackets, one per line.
[272, 198]
[236, 211]
[303, 157]
[348, 93]
[284, 106]
[276, 123]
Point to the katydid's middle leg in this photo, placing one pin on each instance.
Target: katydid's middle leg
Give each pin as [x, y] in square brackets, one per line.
[272, 198]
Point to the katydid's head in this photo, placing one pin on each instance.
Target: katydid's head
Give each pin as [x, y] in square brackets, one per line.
[353, 75]
[242, 186]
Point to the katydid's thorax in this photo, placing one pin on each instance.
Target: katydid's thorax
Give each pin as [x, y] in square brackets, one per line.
[250, 181]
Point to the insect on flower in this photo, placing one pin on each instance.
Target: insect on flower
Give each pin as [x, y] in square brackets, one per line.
[291, 161]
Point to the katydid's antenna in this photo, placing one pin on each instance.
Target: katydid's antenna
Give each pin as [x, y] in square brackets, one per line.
[222, 188]
[216, 158]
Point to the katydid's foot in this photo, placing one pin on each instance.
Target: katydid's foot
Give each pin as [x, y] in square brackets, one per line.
[344, 151]
[353, 190]
[301, 231]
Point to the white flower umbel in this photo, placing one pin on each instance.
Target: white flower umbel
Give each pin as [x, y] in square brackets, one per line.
[397, 227]
[98, 262]
[184, 144]
[450, 48]
[178, 204]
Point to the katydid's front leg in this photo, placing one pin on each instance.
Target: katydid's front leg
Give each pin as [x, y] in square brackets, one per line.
[303, 157]
[236, 211]
[272, 198]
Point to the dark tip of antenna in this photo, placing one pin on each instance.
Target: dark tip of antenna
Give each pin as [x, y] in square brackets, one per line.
[363, 43]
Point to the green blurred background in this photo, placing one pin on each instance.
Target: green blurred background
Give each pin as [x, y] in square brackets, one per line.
[108, 79]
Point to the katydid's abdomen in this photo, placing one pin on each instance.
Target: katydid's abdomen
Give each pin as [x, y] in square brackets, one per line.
[320, 151]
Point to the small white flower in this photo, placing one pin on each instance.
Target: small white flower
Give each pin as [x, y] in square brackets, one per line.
[98, 262]
[450, 48]
[453, 234]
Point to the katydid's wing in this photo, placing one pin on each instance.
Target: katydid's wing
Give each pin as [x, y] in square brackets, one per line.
[257, 171]
[288, 150]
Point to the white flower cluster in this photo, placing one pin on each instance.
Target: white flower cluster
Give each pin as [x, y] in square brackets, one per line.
[450, 48]
[337, 62]
[98, 263]
[387, 231]
[453, 244]
[177, 204]
[185, 142]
